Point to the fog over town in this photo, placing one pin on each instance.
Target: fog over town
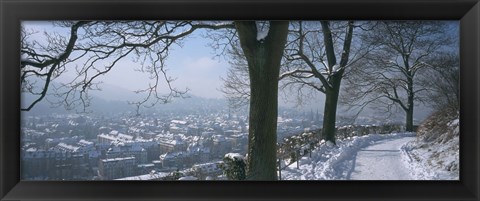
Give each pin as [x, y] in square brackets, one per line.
[171, 107]
[190, 135]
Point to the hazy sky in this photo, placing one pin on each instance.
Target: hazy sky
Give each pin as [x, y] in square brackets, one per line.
[192, 64]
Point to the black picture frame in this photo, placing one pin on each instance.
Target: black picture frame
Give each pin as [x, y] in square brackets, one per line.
[14, 11]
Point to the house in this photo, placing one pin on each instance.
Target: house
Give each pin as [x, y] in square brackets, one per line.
[115, 168]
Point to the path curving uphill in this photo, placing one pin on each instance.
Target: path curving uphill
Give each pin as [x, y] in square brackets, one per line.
[381, 161]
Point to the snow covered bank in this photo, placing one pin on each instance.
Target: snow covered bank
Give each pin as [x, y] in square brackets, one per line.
[435, 158]
[330, 162]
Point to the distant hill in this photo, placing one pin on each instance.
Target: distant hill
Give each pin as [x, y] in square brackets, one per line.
[113, 99]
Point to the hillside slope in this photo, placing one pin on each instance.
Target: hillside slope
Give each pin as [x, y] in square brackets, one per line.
[435, 152]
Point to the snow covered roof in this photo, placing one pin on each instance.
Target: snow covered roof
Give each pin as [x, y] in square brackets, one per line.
[31, 149]
[65, 147]
[85, 143]
[178, 122]
[106, 136]
[117, 159]
[177, 154]
[125, 137]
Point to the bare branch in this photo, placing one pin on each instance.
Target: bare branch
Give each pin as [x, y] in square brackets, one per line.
[100, 46]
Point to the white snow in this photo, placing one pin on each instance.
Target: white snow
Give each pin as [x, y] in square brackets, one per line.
[335, 68]
[438, 162]
[435, 155]
[234, 156]
[397, 156]
[381, 161]
[308, 75]
[434, 160]
[262, 30]
[262, 34]
[341, 161]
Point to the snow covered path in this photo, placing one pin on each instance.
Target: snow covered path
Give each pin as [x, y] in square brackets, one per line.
[381, 161]
[368, 157]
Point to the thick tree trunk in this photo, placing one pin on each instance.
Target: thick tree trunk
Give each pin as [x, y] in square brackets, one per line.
[263, 57]
[409, 113]
[330, 111]
[409, 122]
[332, 91]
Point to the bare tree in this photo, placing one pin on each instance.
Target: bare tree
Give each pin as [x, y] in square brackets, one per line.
[44, 61]
[309, 66]
[312, 63]
[443, 81]
[388, 75]
[101, 45]
[236, 84]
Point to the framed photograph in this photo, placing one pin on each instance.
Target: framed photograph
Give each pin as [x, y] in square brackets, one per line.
[246, 100]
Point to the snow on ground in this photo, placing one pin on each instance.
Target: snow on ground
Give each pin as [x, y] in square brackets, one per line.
[435, 160]
[381, 161]
[338, 162]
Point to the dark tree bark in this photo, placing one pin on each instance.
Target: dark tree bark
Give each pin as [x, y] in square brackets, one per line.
[263, 57]
[408, 108]
[410, 105]
[330, 110]
[332, 90]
